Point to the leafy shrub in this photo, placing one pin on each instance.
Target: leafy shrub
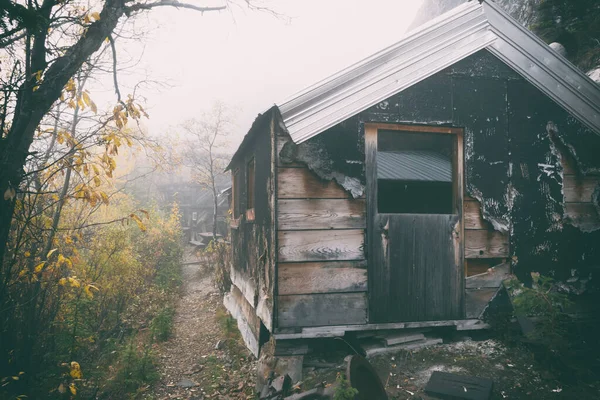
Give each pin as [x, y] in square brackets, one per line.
[218, 255]
[162, 324]
[343, 390]
[136, 368]
[546, 304]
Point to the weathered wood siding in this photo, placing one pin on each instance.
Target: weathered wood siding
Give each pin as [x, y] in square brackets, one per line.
[484, 246]
[253, 231]
[578, 191]
[322, 275]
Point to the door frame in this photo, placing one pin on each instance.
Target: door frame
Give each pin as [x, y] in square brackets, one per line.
[371, 131]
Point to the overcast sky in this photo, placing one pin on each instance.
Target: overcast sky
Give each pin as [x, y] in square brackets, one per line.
[251, 59]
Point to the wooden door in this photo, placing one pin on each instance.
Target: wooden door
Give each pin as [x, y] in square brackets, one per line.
[414, 230]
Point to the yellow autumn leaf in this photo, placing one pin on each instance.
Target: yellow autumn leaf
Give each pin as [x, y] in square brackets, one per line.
[97, 181]
[86, 99]
[73, 389]
[10, 194]
[139, 222]
[74, 282]
[75, 370]
[62, 281]
[39, 267]
[62, 389]
[89, 290]
[27, 254]
[86, 19]
[50, 253]
[95, 15]
[104, 198]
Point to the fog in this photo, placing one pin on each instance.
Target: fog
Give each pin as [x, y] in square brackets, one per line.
[248, 59]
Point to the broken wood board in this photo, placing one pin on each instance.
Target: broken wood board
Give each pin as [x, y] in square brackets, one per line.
[301, 183]
[477, 300]
[486, 244]
[372, 349]
[453, 386]
[291, 347]
[493, 278]
[401, 337]
[322, 309]
[246, 322]
[322, 277]
[297, 214]
[321, 245]
[340, 330]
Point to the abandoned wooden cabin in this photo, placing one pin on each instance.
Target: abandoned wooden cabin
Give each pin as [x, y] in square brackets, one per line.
[401, 191]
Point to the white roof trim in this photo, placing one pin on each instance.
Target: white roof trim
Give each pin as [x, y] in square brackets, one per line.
[434, 46]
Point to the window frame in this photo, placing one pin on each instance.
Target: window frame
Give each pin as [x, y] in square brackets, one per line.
[250, 189]
[372, 131]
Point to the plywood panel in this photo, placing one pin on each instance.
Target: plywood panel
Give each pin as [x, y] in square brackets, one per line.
[336, 245]
[485, 244]
[322, 309]
[425, 281]
[578, 189]
[321, 214]
[322, 277]
[472, 216]
[301, 183]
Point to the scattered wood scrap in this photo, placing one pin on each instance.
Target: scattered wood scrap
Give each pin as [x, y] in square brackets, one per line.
[452, 386]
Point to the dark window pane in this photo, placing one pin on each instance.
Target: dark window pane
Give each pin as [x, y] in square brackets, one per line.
[404, 197]
[415, 172]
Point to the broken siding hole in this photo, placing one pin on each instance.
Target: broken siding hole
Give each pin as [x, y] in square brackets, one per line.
[327, 165]
[580, 192]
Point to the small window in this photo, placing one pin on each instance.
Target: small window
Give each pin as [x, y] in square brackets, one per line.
[194, 216]
[415, 173]
[250, 189]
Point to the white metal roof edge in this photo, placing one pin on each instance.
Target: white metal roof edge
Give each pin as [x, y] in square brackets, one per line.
[442, 42]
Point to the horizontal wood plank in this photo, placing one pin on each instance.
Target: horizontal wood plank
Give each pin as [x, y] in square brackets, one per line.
[583, 215]
[485, 244]
[472, 216]
[321, 214]
[301, 183]
[322, 309]
[579, 189]
[332, 245]
[322, 277]
[476, 266]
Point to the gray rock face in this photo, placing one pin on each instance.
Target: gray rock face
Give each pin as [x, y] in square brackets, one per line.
[559, 48]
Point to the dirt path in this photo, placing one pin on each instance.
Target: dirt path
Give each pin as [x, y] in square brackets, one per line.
[204, 357]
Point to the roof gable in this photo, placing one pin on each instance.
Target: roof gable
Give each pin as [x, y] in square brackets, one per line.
[433, 47]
